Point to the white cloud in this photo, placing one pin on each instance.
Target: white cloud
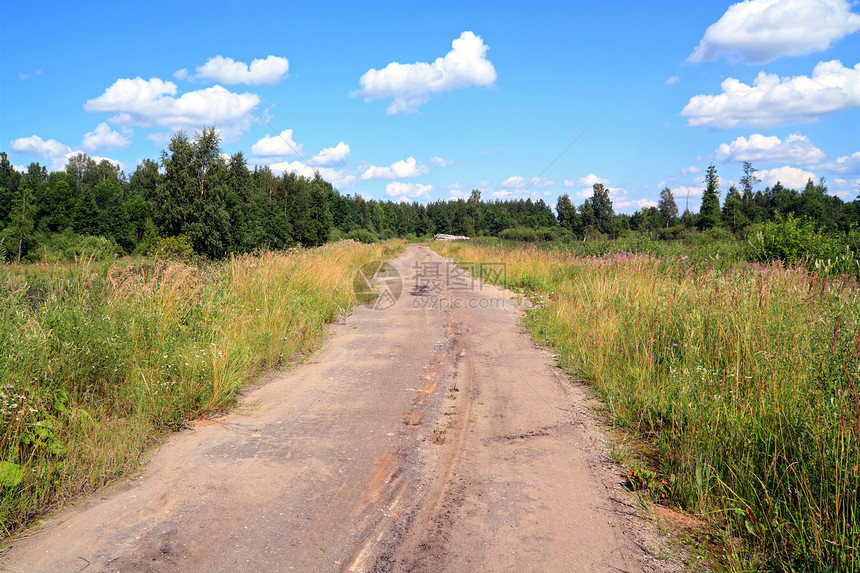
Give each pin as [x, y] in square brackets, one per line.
[412, 85]
[844, 165]
[789, 177]
[103, 137]
[407, 190]
[772, 100]
[517, 182]
[181, 74]
[398, 170]
[638, 203]
[225, 70]
[673, 80]
[759, 31]
[514, 182]
[337, 178]
[96, 158]
[331, 155]
[152, 103]
[35, 145]
[442, 162]
[281, 145]
[795, 148]
[24, 77]
[691, 170]
[587, 181]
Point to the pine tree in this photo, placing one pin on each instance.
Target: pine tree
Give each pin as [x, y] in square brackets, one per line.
[709, 213]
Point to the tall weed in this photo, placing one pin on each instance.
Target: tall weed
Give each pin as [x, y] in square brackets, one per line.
[746, 379]
[96, 362]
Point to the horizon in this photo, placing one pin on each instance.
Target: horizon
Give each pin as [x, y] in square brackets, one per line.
[515, 103]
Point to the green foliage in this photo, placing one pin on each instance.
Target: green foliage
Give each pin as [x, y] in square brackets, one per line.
[169, 248]
[709, 212]
[523, 234]
[792, 241]
[361, 235]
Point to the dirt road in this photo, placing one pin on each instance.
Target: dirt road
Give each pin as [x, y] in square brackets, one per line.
[429, 436]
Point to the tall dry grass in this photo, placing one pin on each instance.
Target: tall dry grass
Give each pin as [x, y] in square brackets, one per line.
[96, 362]
[745, 379]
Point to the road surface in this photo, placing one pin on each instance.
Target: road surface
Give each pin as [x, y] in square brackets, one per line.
[429, 436]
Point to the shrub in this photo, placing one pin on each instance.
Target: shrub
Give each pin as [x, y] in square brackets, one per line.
[362, 236]
[792, 241]
[523, 234]
[173, 248]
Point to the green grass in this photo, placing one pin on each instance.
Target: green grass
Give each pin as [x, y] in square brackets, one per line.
[745, 378]
[97, 361]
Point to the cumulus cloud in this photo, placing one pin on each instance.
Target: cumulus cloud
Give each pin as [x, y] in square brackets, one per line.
[795, 148]
[848, 164]
[759, 31]
[691, 170]
[281, 145]
[152, 103]
[587, 181]
[336, 177]
[404, 191]
[635, 203]
[227, 71]
[442, 162]
[103, 137]
[398, 170]
[792, 177]
[772, 100]
[673, 80]
[181, 74]
[34, 145]
[412, 85]
[517, 182]
[331, 155]
[51, 150]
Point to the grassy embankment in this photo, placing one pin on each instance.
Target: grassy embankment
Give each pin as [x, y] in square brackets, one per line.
[97, 361]
[745, 379]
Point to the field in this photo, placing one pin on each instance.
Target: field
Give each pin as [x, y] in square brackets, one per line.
[742, 377]
[98, 360]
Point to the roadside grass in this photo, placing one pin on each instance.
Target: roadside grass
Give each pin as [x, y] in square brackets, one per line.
[745, 378]
[98, 360]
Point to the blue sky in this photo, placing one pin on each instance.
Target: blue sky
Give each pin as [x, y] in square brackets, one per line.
[429, 100]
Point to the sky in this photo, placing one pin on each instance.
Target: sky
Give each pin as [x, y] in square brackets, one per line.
[419, 101]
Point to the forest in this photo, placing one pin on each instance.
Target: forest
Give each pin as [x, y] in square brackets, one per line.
[195, 200]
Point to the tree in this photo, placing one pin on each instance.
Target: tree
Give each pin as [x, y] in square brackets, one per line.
[709, 213]
[190, 200]
[79, 165]
[733, 212]
[667, 207]
[567, 216]
[21, 223]
[85, 217]
[602, 206]
[145, 180]
[9, 182]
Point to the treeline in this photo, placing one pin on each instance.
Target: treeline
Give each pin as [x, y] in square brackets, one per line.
[194, 199]
[743, 210]
[216, 205]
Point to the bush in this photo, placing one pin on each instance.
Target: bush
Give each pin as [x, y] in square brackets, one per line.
[792, 242]
[173, 248]
[362, 236]
[69, 246]
[523, 234]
